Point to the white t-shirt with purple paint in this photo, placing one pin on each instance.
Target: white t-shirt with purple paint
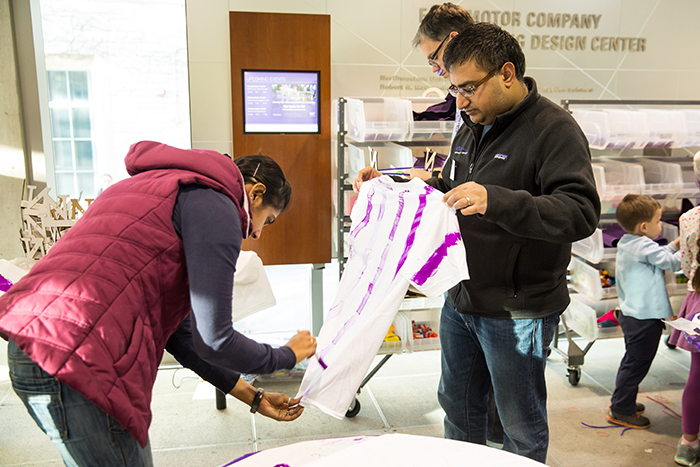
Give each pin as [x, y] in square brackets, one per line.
[402, 233]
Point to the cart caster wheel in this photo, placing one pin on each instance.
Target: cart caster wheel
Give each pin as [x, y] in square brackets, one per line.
[574, 376]
[354, 409]
[670, 346]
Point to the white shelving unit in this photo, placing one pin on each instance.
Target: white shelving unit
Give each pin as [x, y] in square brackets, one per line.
[626, 132]
[381, 132]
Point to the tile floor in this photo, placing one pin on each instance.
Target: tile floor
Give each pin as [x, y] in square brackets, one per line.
[187, 429]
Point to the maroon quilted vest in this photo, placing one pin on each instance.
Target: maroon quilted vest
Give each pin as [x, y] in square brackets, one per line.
[97, 310]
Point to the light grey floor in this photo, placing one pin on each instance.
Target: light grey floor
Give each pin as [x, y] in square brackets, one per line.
[187, 429]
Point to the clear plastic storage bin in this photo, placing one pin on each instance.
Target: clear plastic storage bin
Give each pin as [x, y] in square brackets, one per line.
[688, 189]
[378, 119]
[594, 124]
[585, 279]
[591, 248]
[402, 328]
[428, 129]
[628, 128]
[692, 128]
[667, 127]
[661, 179]
[582, 319]
[618, 179]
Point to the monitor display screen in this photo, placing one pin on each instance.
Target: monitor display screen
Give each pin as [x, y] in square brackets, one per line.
[281, 101]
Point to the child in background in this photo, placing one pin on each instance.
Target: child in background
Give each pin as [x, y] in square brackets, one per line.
[644, 302]
[688, 447]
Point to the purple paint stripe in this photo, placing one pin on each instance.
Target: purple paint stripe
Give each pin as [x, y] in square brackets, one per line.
[5, 283]
[323, 364]
[422, 201]
[365, 299]
[398, 216]
[240, 458]
[363, 223]
[429, 268]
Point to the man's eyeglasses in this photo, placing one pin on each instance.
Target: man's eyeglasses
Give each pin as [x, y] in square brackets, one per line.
[468, 91]
[433, 56]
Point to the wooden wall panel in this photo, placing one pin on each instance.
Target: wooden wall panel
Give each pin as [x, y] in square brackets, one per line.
[275, 41]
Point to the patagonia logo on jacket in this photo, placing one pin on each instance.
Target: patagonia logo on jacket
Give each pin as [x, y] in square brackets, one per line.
[461, 150]
[501, 156]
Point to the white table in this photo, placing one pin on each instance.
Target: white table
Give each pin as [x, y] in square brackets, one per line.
[385, 450]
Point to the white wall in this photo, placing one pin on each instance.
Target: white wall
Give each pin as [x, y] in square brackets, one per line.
[371, 39]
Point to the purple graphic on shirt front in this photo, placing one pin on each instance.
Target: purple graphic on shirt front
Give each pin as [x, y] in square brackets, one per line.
[429, 268]
[422, 202]
[5, 284]
[398, 216]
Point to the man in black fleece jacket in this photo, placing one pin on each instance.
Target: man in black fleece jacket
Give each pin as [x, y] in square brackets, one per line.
[520, 178]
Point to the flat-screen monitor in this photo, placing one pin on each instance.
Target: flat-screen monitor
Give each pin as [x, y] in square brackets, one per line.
[281, 101]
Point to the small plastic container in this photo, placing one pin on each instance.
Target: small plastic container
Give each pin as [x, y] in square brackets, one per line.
[667, 128]
[692, 128]
[582, 319]
[378, 119]
[628, 128]
[689, 188]
[661, 179]
[594, 124]
[585, 279]
[424, 130]
[617, 179]
[402, 328]
[591, 248]
[425, 343]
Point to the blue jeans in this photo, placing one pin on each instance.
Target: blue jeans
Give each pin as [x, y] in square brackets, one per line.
[84, 434]
[510, 356]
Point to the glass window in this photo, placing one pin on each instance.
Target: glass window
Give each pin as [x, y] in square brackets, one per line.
[83, 155]
[60, 123]
[71, 128]
[78, 86]
[63, 155]
[58, 86]
[65, 183]
[81, 122]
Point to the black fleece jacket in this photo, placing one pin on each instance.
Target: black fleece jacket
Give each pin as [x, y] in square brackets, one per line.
[536, 167]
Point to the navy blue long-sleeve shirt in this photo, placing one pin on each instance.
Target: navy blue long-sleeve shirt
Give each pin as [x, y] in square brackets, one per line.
[209, 225]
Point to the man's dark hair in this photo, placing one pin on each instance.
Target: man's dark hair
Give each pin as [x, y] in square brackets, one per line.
[440, 21]
[489, 46]
[263, 169]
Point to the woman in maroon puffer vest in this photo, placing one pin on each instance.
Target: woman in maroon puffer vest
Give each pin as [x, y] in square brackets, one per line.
[149, 266]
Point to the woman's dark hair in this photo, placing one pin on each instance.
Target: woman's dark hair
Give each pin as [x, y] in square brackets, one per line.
[440, 21]
[696, 277]
[489, 46]
[263, 169]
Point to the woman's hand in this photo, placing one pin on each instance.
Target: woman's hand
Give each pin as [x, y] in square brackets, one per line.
[273, 405]
[368, 173]
[303, 344]
[280, 407]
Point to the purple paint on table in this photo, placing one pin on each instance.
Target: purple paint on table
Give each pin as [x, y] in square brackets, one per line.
[429, 268]
[240, 458]
[5, 283]
[422, 201]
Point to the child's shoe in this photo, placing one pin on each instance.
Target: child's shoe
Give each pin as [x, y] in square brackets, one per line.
[686, 455]
[630, 421]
